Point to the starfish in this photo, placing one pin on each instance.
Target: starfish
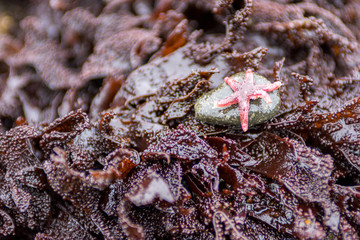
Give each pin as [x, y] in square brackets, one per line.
[244, 92]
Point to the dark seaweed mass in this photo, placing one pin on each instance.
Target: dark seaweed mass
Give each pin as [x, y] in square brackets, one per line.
[98, 136]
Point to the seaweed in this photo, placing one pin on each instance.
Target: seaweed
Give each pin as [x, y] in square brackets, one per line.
[99, 140]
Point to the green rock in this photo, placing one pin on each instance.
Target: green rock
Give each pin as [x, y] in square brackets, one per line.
[259, 110]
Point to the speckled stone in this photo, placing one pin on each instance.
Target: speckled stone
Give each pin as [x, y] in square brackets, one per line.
[259, 110]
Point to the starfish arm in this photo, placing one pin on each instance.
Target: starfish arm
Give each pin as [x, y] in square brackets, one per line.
[232, 83]
[244, 114]
[261, 94]
[249, 77]
[268, 87]
[230, 100]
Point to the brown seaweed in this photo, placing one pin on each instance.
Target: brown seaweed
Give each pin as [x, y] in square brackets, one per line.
[99, 138]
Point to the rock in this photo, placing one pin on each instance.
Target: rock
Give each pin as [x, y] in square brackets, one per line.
[259, 110]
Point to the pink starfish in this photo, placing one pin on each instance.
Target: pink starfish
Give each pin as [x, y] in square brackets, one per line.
[244, 92]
